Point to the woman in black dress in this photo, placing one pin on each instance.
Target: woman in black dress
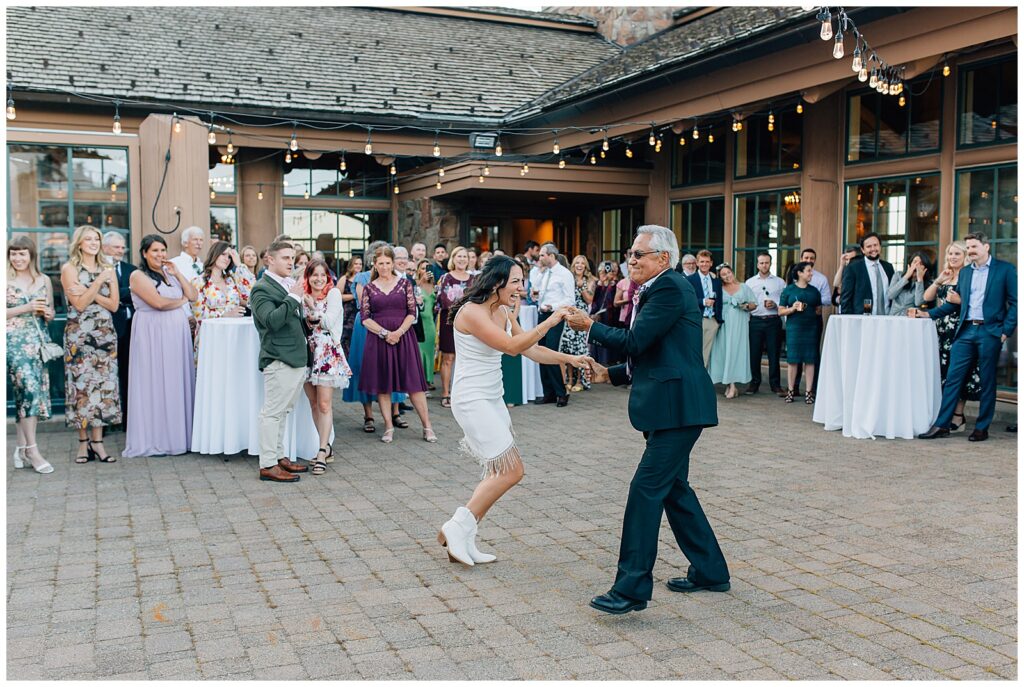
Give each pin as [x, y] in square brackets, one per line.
[798, 304]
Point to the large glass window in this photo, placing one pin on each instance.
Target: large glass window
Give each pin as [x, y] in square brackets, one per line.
[986, 202]
[766, 222]
[698, 161]
[224, 224]
[700, 224]
[988, 104]
[222, 178]
[760, 151]
[904, 212]
[324, 178]
[337, 233]
[617, 227]
[879, 127]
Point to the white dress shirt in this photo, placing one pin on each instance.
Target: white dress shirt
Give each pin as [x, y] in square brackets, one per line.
[189, 268]
[766, 289]
[822, 284]
[556, 288]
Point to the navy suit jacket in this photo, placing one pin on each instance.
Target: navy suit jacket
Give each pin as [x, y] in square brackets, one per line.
[671, 388]
[999, 306]
[698, 288]
[122, 321]
[857, 285]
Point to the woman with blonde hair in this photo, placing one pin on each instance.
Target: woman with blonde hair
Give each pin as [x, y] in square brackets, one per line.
[573, 342]
[245, 274]
[940, 291]
[29, 308]
[450, 288]
[92, 396]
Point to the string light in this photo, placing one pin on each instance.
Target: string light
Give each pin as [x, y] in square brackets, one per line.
[838, 50]
[12, 113]
[231, 146]
[629, 151]
[396, 188]
[682, 140]
[903, 101]
[213, 194]
[604, 143]
[293, 145]
[497, 149]
[117, 119]
[487, 170]
[440, 171]
[651, 140]
[863, 75]
[696, 134]
[657, 148]
[438, 184]
[481, 176]
[825, 17]
[306, 194]
[211, 137]
[856, 64]
[561, 163]
[555, 149]
[351, 191]
[344, 165]
[259, 192]
[873, 81]
[526, 167]
[288, 157]
[711, 137]
[593, 159]
[393, 170]
[799, 108]
[177, 125]
[113, 187]
[437, 148]
[945, 68]
[368, 148]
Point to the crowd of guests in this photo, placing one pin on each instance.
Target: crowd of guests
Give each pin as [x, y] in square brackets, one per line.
[377, 327]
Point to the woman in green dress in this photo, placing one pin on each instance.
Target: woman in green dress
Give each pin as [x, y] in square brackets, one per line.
[425, 287]
[798, 304]
[730, 356]
[29, 308]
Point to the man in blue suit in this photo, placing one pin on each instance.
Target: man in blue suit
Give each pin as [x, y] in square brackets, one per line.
[987, 301]
[671, 402]
[709, 295]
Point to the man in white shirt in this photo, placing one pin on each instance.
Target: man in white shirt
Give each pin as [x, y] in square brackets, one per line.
[765, 325]
[189, 264]
[555, 288]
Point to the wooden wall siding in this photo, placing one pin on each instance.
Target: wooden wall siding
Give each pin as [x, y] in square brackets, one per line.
[821, 181]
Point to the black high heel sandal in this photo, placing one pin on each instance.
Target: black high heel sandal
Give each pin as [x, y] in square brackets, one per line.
[89, 453]
[93, 455]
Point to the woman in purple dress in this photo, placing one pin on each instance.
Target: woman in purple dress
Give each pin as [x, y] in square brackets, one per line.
[391, 357]
[161, 376]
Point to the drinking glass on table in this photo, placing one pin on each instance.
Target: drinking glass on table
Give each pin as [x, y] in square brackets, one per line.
[867, 306]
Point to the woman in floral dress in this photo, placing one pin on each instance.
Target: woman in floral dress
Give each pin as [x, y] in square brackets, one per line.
[245, 273]
[218, 292]
[450, 288]
[574, 342]
[325, 315]
[939, 291]
[29, 308]
[93, 399]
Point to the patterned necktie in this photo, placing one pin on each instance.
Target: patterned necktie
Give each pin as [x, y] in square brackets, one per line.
[632, 319]
[879, 290]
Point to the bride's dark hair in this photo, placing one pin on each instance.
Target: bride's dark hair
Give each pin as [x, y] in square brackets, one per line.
[494, 276]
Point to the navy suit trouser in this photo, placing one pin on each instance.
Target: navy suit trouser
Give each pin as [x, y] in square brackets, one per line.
[551, 375]
[974, 346]
[660, 486]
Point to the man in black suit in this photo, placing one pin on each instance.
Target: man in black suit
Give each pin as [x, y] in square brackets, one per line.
[114, 247]
[671, 402]
[709, 297]
[867, 279]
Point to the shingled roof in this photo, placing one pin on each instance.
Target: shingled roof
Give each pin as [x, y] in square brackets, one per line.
[670, 48]
[356, 61]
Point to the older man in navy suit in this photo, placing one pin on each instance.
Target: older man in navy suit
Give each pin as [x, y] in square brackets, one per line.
[987, 301]
[671, 402]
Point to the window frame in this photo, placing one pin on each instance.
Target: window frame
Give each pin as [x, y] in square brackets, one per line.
[341, 210]
[934, 74]
[961, 77]
[674, 142]
[763, 121]
[956, 198]
[737, 250]
[705, 199]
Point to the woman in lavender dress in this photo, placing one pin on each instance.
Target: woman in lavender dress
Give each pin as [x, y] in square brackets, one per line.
[391, 357]
[161, 375]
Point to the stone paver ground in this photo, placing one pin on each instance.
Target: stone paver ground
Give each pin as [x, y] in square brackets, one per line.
[850, 559]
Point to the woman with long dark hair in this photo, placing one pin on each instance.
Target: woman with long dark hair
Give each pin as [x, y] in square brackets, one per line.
[907, 291]
[797, 304]
[483, 330]
[161, 375]
[219, 294]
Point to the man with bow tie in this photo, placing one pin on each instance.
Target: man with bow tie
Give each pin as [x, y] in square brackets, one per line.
[671, 401]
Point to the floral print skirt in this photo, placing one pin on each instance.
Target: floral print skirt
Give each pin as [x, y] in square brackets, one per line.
[330, 368]
[90, 366]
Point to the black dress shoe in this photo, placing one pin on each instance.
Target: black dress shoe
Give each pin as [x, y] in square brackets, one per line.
[978, 435]
[682, 584]
[545, 399]
[934, 433]
[778, 391]
[616, 603]
[563, 401]
[1012, 428]
[751, 389]
[405, 407]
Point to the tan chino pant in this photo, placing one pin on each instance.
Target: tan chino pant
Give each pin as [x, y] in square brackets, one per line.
[282, 385]
[710, 326]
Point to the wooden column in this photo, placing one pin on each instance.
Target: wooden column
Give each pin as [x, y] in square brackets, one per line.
[186, 185]
[259, 221]
[821, 204]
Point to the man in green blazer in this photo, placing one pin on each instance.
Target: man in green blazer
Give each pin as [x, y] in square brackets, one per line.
[671, 402]
[276, 304]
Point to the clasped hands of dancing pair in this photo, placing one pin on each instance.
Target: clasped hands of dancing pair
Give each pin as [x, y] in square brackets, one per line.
[671, 401]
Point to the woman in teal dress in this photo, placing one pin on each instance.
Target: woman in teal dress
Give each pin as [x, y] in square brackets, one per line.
[798, 304]
[730, 356]
[29, 308]
[425, 285]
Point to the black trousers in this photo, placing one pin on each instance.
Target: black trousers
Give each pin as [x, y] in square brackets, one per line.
[551, 375]
[660, 486]
[124, 345]
[765, 333]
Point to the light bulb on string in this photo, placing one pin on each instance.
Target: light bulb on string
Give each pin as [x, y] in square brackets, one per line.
[259, 192]
[306, 194]
[211, 137]
[903, 101]
[393, 170]
[945, 68]
[113, 187]
[555, 149]
[368, 148]
[487, 170]
[117, 119]
[711, 137]
[826, 24]
[498, 152]
[231, 146]
[526, 167]
[437, 148]
[863, 75]
[656, 148]
[696, 134]
[561, 163]
[873, 81]
[739, 126]
[771, 117]
[481, 178]
[351, 191]
[396, 189]
[177, 125]
[593, 159]
[734, 127]
[799, 108]
[857, 63]
[288, 158]
[629, 151]
[682, 140]
[12, 113]
[604, 143]
[651, 140]
[293, 145]
[438, 185]
[440, 171]
[213, 194]
[838, 50]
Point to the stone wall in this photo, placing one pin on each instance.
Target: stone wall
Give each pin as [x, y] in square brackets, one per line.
[428, 220]
[623, 25]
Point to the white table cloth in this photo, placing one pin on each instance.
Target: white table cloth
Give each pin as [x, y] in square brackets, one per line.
[229, 395]
[879, 376]
[532, 388]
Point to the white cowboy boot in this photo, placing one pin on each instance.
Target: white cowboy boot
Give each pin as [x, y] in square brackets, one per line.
[456, 535]
[475, 553]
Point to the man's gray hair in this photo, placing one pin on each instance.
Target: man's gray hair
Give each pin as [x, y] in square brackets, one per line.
[372, 248]
[549, 248]
[111, 236]
[187, 235]
[662, 240]
[688, 258]
[401, 252]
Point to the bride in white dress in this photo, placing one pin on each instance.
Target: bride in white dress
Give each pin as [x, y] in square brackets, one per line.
[485, 329]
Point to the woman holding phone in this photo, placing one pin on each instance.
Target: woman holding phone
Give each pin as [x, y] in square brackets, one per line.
[798, 304]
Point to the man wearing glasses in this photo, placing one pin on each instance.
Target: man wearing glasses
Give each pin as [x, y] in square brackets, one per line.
[671, 401]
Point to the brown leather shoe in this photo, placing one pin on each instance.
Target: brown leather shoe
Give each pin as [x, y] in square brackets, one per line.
[277, 474]
[290, 466]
